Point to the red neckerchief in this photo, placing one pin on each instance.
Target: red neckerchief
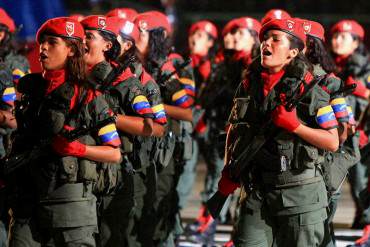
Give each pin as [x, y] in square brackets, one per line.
[341, 61]
[244, 56]
[195, 60]
[203, 64]
[55, 78]
[270, 80]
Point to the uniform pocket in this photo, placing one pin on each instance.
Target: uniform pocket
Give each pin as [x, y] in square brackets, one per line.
[300, 195]
[314, 217]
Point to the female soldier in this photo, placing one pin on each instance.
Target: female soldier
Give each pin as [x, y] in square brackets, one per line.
[202, 45]
[16, 62]
[324, 66]
[352, 60]
[177, 93]
[287, 197]
[54, 202]
[217, 101]
[127, 98]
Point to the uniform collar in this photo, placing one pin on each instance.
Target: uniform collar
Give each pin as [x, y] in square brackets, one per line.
[54, 78]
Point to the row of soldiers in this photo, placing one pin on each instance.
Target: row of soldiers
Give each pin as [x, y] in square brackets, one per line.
[108, 135]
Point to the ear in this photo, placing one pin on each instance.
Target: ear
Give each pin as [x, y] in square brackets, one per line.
[2, 35]
[71, 52]
[107, 46]
[293, 53]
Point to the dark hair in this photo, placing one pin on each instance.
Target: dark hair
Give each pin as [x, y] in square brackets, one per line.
[131, 53]
[361, 49]
[317, 53]
[76, 66]
[295, 43]
[256, 46]
[159, 44]
[113, 53]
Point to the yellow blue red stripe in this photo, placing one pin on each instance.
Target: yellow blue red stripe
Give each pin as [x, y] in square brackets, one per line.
[326, 118]
[108, 135]
[182, 99]
[17, 74]
[9, 95]
[159, 114]
[189, 86]
[339, 106]
[351, 117]
[141, 105]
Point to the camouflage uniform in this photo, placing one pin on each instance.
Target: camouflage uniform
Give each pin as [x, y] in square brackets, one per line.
[177, 148]
[121, 206]
[287, 200]
[54, 201]
[357, 67]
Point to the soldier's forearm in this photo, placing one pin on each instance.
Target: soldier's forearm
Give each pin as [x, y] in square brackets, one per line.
[179, 113]
[7, 119]
[325, 139]
[135, 125]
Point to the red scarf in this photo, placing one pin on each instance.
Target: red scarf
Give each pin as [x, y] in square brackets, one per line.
[246, 57]
[270, 80]
[341, 61]
[55, 78]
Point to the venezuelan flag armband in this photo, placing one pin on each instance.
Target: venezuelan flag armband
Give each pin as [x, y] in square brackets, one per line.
[339, 106]
[142, 107]
[159, 114]
[108, 135]
[9, 96]
[189, 86]
[325, 118]
[182, 99]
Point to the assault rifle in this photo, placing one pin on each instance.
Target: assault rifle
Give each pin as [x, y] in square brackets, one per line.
[241, 162]
[164, 78]
[14, 162]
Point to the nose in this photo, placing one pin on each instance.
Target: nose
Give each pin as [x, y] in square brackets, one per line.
[43, 46]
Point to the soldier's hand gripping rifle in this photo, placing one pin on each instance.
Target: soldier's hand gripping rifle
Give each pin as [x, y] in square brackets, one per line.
[14, 162]
[238, 164]
[164, 78]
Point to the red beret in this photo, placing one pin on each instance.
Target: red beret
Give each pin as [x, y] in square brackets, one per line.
[101, 23]
[127, 29]
[7, 20]
[242, 22]
[291, 26]
[77, 17]
[351, 26]
[206, 26]
[65, 27]
[152, 19]
[123, 13]
[314, 29]
[275, 14]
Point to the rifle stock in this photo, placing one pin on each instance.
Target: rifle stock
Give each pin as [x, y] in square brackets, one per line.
[216, 203]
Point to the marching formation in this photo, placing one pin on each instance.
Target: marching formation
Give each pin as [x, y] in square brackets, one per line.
[100, 148]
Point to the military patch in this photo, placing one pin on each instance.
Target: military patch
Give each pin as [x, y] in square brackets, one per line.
[70, 28]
